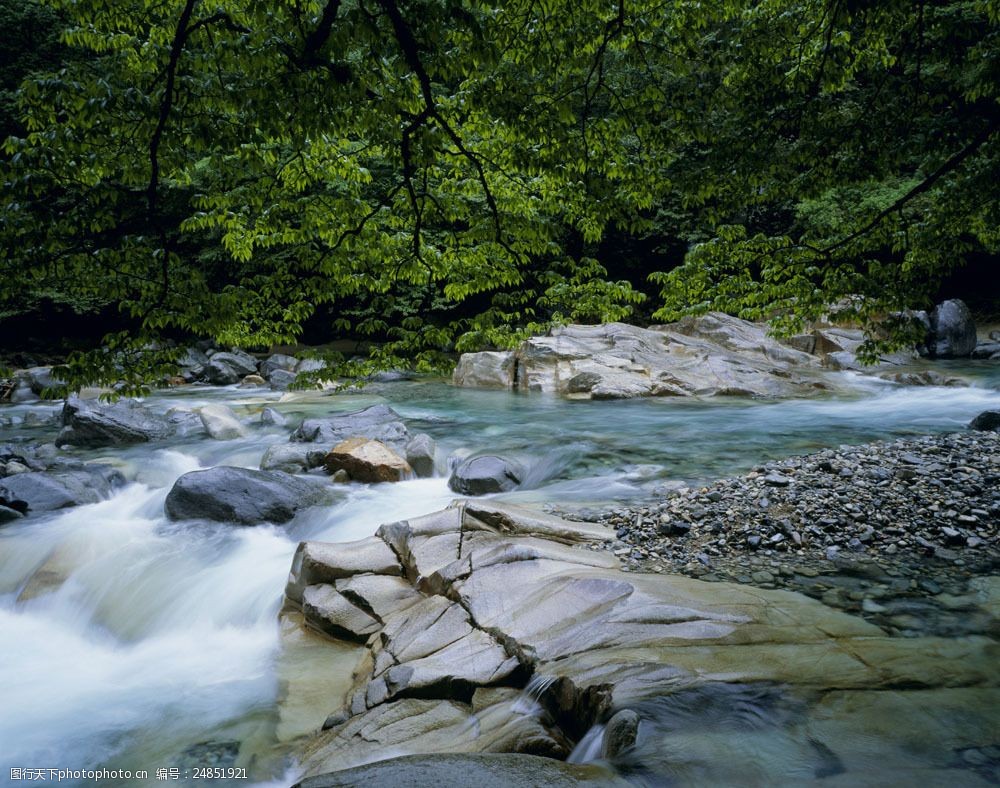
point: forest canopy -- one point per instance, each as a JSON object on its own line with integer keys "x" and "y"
{"x": 447, "y": 175}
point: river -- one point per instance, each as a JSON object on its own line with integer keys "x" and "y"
{"x": 133, "y": 643}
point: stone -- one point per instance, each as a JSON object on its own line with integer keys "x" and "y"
{"x": 713, "y": 355}
{"x": 192, "y": 364}
{"x": 486, "y": 369}
{"x": 775, "y": 479}
{"x": 292, "y": 457}
{"x": 953, "y": 331}
{"x": 986, "y": 350}
{"x": 272, "y": 418}
{"x": 241, "y": 496}
{"x": 620, "y": 733}
{"x": 252, "y": 382}
{"x": 275, "y": 362}
{"x": 420, "y": 453}
{"x": 378, "y": 422}
{"x": 227, "y": 368}
{"x": 486, "y": 474}
{"x": 281, "y": 379}
{"x": 324, "y": 562}
{"x": 327, "y": 610}
{"x": 91, "y": 423}
{"x": 8, "y": 515}
{"x": 40, "y": 379}
{"x": 367, "y": 461}
{"x": 988, "y": 420}
{"x": 43, "y": 491}
{"x": 221, "y": 423}
{"x": 461, "y": 770}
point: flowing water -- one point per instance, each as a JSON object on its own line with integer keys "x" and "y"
{"x": 130, "y": 642}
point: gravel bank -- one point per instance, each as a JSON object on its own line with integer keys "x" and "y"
{"x": 863, "y": 527}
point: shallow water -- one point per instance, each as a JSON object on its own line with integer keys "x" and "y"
{"x": 129, "y": 640}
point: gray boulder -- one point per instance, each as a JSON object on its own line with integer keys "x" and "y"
{"x": 241, "y": 496}
{"x": 953, "y": 331}
{"x": 45, "y": 491}
{"x": 192, "y": 364}
{"x": 272, "y": 418}
{"x": 986, "y": 421}
{"x": 620, "y": 733}
{"x": 94, "y": 423}
{"x": 275, "y": 362}
{"x": 226, "y": 368}
{"x": 281, "y": 379}
{"x": 292, "y": 457}
{"x": 378, "y": 422}
{"x": 420, "y": 451}
{"x": 221, "y": 423}
{"x": 40, "y": 379}
{"x": 486, "y": 474}
{"x": 487, "y": 369}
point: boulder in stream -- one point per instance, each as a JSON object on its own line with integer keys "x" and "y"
{"x": 367, "y": 461}
{"x": 93, "y": 423}
{"x": 378, "y": 422}
{"x": 486, "y": 474}
{"x": 985, "y": 421}
{"x": 43, "y": 491}
{"x": 226, "y": 368}
{"x": 241, "y": 496}
{"x": 220, "y": 422}
{"x": 953, "y": 331}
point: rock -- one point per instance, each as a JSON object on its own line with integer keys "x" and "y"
{"x": 43, "y": 491}
{"x": 420, "y": 453}
{"x": 486, "y": 474}
{"x": 324, "y": 562}
{"x": 93, "y": 423}
{"x": 620, "y": 734}
{"x": 953, "y": 331}
{"x": 367, "y": 461}
{"x": 775, "y": 479}
{"x": 40, "y": 380}
{"x": 226, "y": 368}
{"x": 272, "y": 418}
{"x": 192, "y": 364}
{"x": 241, "y": 496}
{"x": 252, "y": 382}
{"x": 281, "y": 379}
{"x": 311, "y": 365}
{"x": 707, "y": 356}
{"x": 330, "y": 612}
{"x": 378, "y": 422}
{"x": 221, "y": 423}
{"x": 8, "y": 515}
{"x": 461, "y": 770}
{"x": 275, "y": 362}
{"x": 22, "y": 393}
{"x": 988, "y": 420}
{"x": 487, "y": 369}
{"x": 986, "y": 350}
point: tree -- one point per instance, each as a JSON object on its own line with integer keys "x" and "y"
{"x": 440, "y": 174}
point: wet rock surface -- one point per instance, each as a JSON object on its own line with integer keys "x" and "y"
{"x": 241, "y": 496}
{"x": 459, "y": 609}
{"x": 894, "y": 531}
{"x": 91, "y": 423}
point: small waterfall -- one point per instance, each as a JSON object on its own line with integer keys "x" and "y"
{"x": 528, "y": 702}
{"x": 589, "y": 747}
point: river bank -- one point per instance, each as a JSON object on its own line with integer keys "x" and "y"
{"x": 914, "y": 520}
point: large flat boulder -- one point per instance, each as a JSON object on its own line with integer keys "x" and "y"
{"x": 485, "y": 370}
{"x": 712, "y": 355}
{"x": 44, "y": 491}
{"x": 480, "y": 597}
{"x": 241, "y": 496}
{"x": 462, "y": 770}
{"x": 93, "y": 423}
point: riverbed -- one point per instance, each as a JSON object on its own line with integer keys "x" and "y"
{"x": 134, "y": 643}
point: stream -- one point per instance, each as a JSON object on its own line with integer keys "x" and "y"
{"x": 134, "y": 643}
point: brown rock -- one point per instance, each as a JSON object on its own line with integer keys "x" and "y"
{"x": 367, "y": 461}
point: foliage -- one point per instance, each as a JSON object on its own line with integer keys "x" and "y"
{"x": 443, "y": 175}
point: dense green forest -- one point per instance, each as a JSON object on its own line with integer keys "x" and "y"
{"x": 446, "y": 175}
